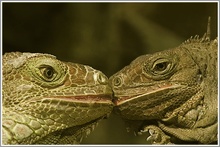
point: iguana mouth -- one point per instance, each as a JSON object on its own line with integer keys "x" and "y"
{"x": 103, "y": 98}
{"x": 86, "y": 99}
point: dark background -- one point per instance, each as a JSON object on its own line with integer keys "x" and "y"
{"x": 106, "y": 36}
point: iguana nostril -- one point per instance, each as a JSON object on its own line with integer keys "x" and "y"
{"x": 117, "y": 81}
{"x": 101, "y": 78}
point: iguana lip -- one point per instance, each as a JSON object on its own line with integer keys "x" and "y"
{"x": 103, "y": 98}
{"x": 117, "y": 101}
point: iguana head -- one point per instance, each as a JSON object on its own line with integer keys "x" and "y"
{"x": 52, "y": 98}
{"x": 167, "y": 85}
{"x": 152, "y": 86}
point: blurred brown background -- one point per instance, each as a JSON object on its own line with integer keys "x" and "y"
{"x": 106, "y": 36}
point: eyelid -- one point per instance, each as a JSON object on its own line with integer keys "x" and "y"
{"x": 149, "y": 67}
{"x": 160, "y": 61}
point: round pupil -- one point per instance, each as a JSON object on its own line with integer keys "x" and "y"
{"x": 48, "y": 72}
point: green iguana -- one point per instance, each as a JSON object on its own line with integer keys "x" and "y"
{"x": 47, "y": 101}
{"x": 172, "y": 94}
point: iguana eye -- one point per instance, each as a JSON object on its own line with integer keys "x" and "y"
{"x": 161, "y": 66}
{"x": 48, "y": 73}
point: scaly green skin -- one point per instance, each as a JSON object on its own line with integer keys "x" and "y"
{"x": 171, "y": 94}
{"x": 47, "y": 101}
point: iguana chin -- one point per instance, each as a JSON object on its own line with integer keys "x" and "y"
{"x": 172, "y": 94}
{"x": 47, "y": 101}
